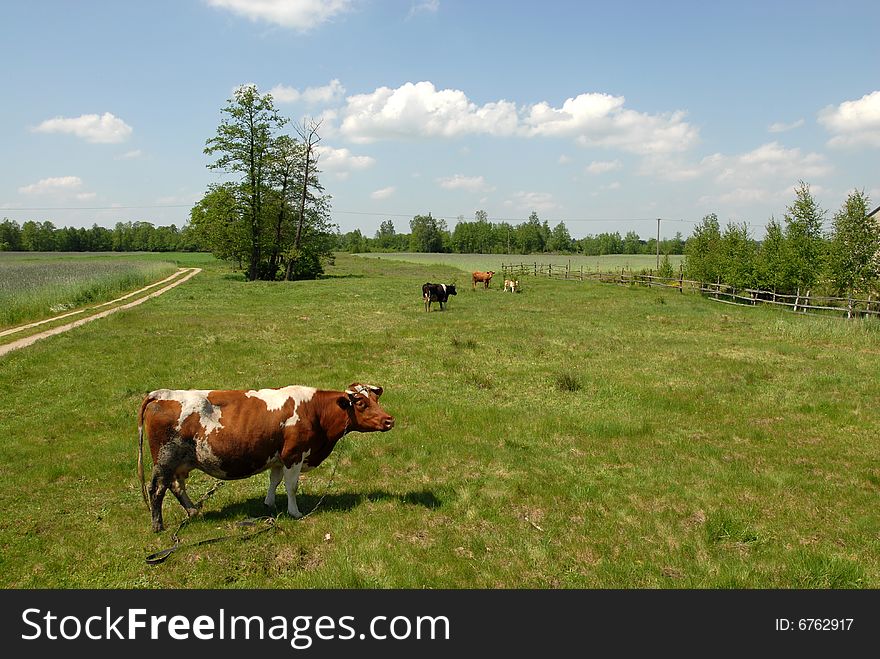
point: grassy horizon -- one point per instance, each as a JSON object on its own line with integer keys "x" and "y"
{"x": 574, "y": 435}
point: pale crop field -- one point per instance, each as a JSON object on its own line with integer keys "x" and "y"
{"x": 34, "y": 286}
{"x": 472, "y": 262}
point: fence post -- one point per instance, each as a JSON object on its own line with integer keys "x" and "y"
{"x": 849, "y": 306}
{"x": 797, "y": 298}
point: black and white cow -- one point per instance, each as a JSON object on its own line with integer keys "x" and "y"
{"x": 437, "y": 293}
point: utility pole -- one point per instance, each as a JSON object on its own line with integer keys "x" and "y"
{"x": 658, "y": 243}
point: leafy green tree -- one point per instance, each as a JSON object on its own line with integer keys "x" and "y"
{"x": 803, "y": 239}
{"x": 560, "y": 239}
{"x": 426, "y": 233}
{"x": 529, "y": 236}
{"x": 702, "y": 251}
{"x": 243, "y": 146}
{"x": 737, "y": 256}
{"x": 665, "y": 269}
{"x": 632, "y": 244}
{"x": 386, "y": 236}
{"x": 220, "y": 224}
{"x": 10, "y": 236}
{"x": 770, "y": 270}
{"x": 854, "y": 254}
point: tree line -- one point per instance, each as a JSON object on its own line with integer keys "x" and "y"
{"x": 430, "y": 234}
{"x": 797, "y": 254}
{"x": 33, "y": 236}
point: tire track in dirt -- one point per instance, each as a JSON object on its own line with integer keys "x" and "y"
{"x": 30, "y": 340}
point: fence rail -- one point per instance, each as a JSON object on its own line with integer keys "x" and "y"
{"x": 799, "y": 302}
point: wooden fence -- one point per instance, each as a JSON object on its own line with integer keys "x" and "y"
{"x": 799, "y": 302}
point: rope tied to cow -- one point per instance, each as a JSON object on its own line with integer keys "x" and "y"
{"x": 258, "y": 525}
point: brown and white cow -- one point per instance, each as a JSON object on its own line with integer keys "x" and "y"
{"x": 484, "y": 277}
{"x": 234, "y": 434}
{"x": 511, "y": 285}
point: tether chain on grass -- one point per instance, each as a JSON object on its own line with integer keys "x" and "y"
{"x": 266, "y": 523}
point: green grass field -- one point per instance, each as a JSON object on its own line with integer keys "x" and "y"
{"x": 574, "y": 435}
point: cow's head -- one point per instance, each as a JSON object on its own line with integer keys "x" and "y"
{"x": 365, "y": 412}
{"x": 450, "y": 289}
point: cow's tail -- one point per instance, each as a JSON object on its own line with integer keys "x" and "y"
{"x": 140, "y": 461}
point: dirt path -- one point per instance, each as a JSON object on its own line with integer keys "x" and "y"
{"x": 23, "y": 343}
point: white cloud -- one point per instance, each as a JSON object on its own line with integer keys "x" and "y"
{"x": 780, "y": 127}
{"x": 564, "y": 159}
{"x": 424, "y": 7}
{"x": 420, "y": 110}
{"x": 106, "y": 128}
{"x": 384, "y": 193}
{"x": 532, "y": 201}
{"x": 602, "y": 120}
{"x": 602, "y": 166}
{"x": 55, "y": 185}
{"x": 130, "y": 155}
{"x": 86, "y": 196}
{"x": 330, "y": 93}
{"x": 301, "y": 15}
{"x": 341, "y": 162}
{"x": 767, "y": 162}
{"x": 854, "y": 123}
{"x": 469, "y": 183}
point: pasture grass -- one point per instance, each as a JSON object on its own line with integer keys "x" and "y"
{"x": 576, "y": 435}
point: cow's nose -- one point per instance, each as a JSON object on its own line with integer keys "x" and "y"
{"x": 389, "y": 423}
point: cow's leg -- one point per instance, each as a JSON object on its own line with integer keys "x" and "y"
{"x": 291, "y": 481}
{"x": 172, "y": 459}
{"x": 158, "y": 487}
{"x": 178, "y": 488}
{"x": 275, "y": 476}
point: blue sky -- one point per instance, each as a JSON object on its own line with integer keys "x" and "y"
{"x": 601, "y": 115}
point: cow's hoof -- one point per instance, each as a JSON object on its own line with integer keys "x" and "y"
{"x": 295, "y": 515}
{"x": 192, "y": 512}
{"x": 158, "y": 527}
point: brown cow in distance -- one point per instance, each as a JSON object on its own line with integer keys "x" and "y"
{"x": 238, "y": 433}
{"x": 484, "y": 277}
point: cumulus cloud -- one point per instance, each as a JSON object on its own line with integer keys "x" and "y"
{"x": 54, "y": 185}
{"x": 764, "y": 175}
{"x": 425, "y": 7}
{"x": 469, "y": 183}
{"x": 603, "y": 166}
{"x": 780, "y": 127}
{"x": 105, "y": 128}
{"x": 301, "y": 15}
{"x": 330, "y": 93}
{"x": 854, "y": 123}
{"x": 420, "y": 110}
{"x": 341, "y": 162}
{"x": 532, "y": 201}
{"x": 384, "y": 193}
{"x": 596, "y": 119}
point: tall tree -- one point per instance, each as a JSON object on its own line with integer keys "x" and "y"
{"x": 702, "y": 250}
{"x": 803, "y": 239}
{"x": 243, "y": 145}
{"x": 854, "y": 255}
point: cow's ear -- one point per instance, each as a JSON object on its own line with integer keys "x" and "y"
{"x": 344, "y": 402}
{"x": 376, "y": 390}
